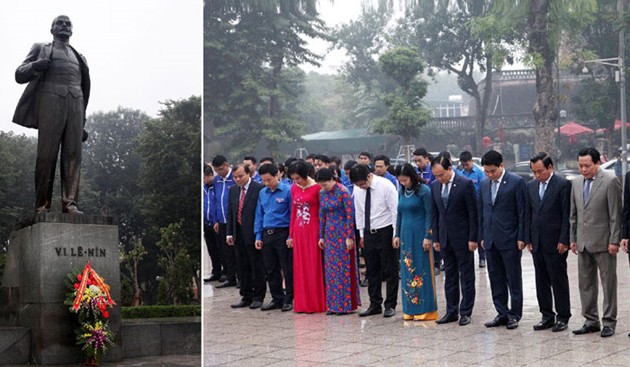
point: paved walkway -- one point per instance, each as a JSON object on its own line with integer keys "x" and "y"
{"x": 153, "y": 361}
{"x": 247, "y": 337}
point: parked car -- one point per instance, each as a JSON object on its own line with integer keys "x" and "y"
{"x": 522, "y": 169}
{"x": 610, "y": 165}
{"x": 569, "y": 174}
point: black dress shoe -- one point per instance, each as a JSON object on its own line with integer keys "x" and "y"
{"x": 585, "y": 329}
{"x": 255, "y": 305}
{"x": 226, "y": 284}
{"x": 559, "y": 326}
{"x": 607, "y": 331}
{"x": 212, "y": 278}
{"x": 447, "y": 318}
{"x": 544, "y": 324}
{"x": 511, "y": 324}
{"x": 271, "y": 306}
{"x": 370, "y": 311}
{"x": 497, "y": 321}
{"x": 389, "y": 312}
{"x": 464, "y": 320}
{"x": 241, "y": 304}
{"x": 287, "y": 307}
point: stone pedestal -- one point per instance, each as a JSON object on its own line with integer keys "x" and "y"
{"x": 42, "y": 250}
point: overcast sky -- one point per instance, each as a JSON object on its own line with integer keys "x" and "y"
{"x": 139, "y": 52}
{"x": 334, "y": 14}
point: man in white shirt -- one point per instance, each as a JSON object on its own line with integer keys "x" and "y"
{"x": 376, "y": 205}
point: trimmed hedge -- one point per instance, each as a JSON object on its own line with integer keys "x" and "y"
{"x": 149, "y": 312}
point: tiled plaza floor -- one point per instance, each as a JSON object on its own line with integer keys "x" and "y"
{"x": 247, "y": 337}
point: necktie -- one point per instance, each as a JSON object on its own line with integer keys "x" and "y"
{"x": 239, "y": 213}
{"x": 587, "y": 189}
{"x": 495, "y": 188}
{"x": 445, "y": 193}
{"x": 541, "y": 190}
{"x": 368, "y": 204}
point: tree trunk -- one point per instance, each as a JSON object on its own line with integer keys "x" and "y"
{"x": 545, "y": 114}
{"x": 274, "y": 99}
{"x": 482, "y": 106}
{"x": 137, "y": 292}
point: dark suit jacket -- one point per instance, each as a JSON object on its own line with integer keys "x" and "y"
{"x": 26, "y": 111}
{"x": 248, "y": 214}
{"x": 548, "y": 220}
{"x": 625, "y": 224}
{"x": 456, "y": 224}
{"x": 502, "y": 224}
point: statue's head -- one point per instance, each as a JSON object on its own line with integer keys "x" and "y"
{"x": 61, "y": 27}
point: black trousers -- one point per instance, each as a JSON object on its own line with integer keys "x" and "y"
{"x": 551, "y": 274}
{"x": 228, "y": 255}
{"x": 504, "y": 272}
{"x": 437, "y": 259}
{"x": 459, "y": 269}
{"x": 213, "y": 249}
{"x": 377, "y": 250}
{"x": 278, "y": 261}
{"x": 251, "y": 269}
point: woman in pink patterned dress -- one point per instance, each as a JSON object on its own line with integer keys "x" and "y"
{"x": 336, "y": 238}
{"x": 308, "y": 275}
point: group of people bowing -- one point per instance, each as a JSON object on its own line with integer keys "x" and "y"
{"x": 299, "y": 227}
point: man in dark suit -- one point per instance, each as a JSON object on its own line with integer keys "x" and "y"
{"x": 625, "y": 224}
{"x": 548, "y": 241}
{"x": 455, "y": 226}
{"x": 502, "y": 215}
{"x": 240, "y": 234}
{"x": 54, "y": 102}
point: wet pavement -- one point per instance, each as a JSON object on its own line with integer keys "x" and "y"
{"x": 247, "y": 337}
{"x": 152, "y": 361}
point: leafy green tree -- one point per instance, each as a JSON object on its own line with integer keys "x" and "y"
{"x": 540, "y": 24}
{"x": 598, "y": 98}
{"x": 406, "y": 115}
{"x": 364, "y": 40}
{"x": 176, "y": 262}
{"x": 17, "y": 183}
{"x": 111, "y": 167}
{"x": 169, "y": 148}
{"x": 445, "y": 34}
{"x": 248, "y": 50}
{"x": 131, "y": 258}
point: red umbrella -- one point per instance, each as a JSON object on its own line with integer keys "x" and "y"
{"x": 572, "y": 129}
{"x": 618, "y": 124}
